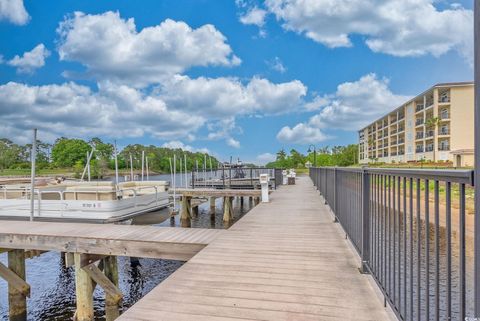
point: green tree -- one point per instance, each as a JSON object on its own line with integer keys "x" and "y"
{"x": 67, "y": 152}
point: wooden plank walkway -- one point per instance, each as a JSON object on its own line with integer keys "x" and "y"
{"x": 120, "y": 240}
{"x": 285, "y": 260}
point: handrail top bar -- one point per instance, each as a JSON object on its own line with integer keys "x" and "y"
{"x": 457, "y": 176}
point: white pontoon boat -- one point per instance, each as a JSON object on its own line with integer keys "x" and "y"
{"x": 84, "y": 201}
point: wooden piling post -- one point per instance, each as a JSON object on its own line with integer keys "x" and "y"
{"x": 195, "y": 211}
{"x": 112, "y": 310}
{"x": 212, "y": 205}
{"x": 186, "y": 208}
{"x": 84, "y": 291}
{"x": 17, "y": 301}
{"x": 241, "y": 201}
{"x": 227, "y": 209}
{"x": 257, "y": 200}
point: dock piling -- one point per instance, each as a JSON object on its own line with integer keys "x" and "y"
{"x": 83, "y": 291}
{"x": 17, "y": 292}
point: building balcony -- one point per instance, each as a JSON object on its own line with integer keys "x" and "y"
{"x": 401, "y": 141}
{"x": 401, "y": 129}
{"x": 444, "y": 147}
{"x": 444, "y": 116}
{"x": 419, "y": 136}
{"x": 419, "y": 122}
{"x": 443, "y": 132}
{"x": 419, "y": 150}
{"x": 444, "y": 99}
{"x": 429, "y": 133}
{"x": 400, "y": 153}
{"x": 393, "y": 131}
{"x": 429, "y": 148}
{"x": 393, "y": 154}
{"x": 419, "y": 107}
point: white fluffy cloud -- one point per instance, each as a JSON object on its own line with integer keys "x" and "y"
{"x": 111, "y": 47}
{"x": 254, "y": 16}
{"x": 351, "y": 107}
{"x": 114, "y": 111}
{"x": 222, "y": 97}
{"x": 13, "y": 11}
{"x": 30, "y": 60}
{"x": 395, "y": 27}
{"x": 232, "y": 142}
{"x": 301, "y": 134}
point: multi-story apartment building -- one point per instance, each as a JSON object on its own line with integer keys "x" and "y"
{"x": 437, "y": 125}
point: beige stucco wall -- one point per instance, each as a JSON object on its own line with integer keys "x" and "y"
{"x": 462, "y": 118}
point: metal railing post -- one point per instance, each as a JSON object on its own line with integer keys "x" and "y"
{"x": 335, "y": 184}
{"x": 365, "y": 221}
{"x": 476, "y": 27}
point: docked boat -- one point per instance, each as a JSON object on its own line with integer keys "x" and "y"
{"x": 100, "y": 201}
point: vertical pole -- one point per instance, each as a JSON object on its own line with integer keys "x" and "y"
{"x": 143, "y": 163}
{"x": 116, "y": 164}
{"x": 476, "y": 28}
{"x": 84, "y": 291}
{"x": 17, "y": 302}
{"x": 186, "y": 177}
{"x": 365, "y": 220}
{"x": 131, "y": 168}
{"x": 174, "y": 182}
{"x": 33, "y": 156}
{"x": 111, "y": 272}
{"x": 146, "y": 165}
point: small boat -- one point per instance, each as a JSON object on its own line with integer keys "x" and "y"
{"x": 102, "y": 202}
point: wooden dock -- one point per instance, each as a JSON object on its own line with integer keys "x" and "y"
{"x": 285, "y": 260}
{"x": 92, "y": 249}
{"x": 189, "y": 208}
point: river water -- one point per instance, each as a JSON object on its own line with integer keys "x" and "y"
{"x": 53, "y": 285}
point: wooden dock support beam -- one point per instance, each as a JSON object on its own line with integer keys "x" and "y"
{"x": 212, "y": 205}
{"x": 83, "y": 290}
{"x": 227, "y": 209}
{"x": 112, "y": 310}
{"x": 186, "y": 208}
{"x": 18, "y": 289}
{"x": 195, "y": 210}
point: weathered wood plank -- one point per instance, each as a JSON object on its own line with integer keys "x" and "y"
{"x": 83, "y": 291}
{"x": 17, "y": 290}
{"x": 14, "y": 280}
{"x": 100, "y": 279}
{"x": 112, "y": 309}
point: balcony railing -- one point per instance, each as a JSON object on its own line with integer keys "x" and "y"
{"x": 419, "y": 150}
{"x": 419, "y": 136}
{"x": 429, "y": 148}
{"x": 444, "y": 116}
{"x": 419, "y": 107}
{"x": 393, "y": 154}
{"x": 444, "y": 132}
{"x": 401, "y": 153}
{"x": 419, "y": 122}
{"x": 393, "y": 131}
{"x": 401, "y": 141}
{"x": 384, "y": 213}
{"x": 444, "y": 99}
{"x": 429, "y": 133}
{"x": 444, "y": 147}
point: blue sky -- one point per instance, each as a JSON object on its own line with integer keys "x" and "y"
{"x": 241, "y": 78}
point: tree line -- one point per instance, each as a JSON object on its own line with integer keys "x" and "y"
{"x": 68, "y": 153}
{"x": 336, "y": 156}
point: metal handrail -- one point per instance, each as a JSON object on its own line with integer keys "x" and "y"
{"x": 384, "y": 213}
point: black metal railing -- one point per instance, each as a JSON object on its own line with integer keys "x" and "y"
{"x": 413, "y": 234}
